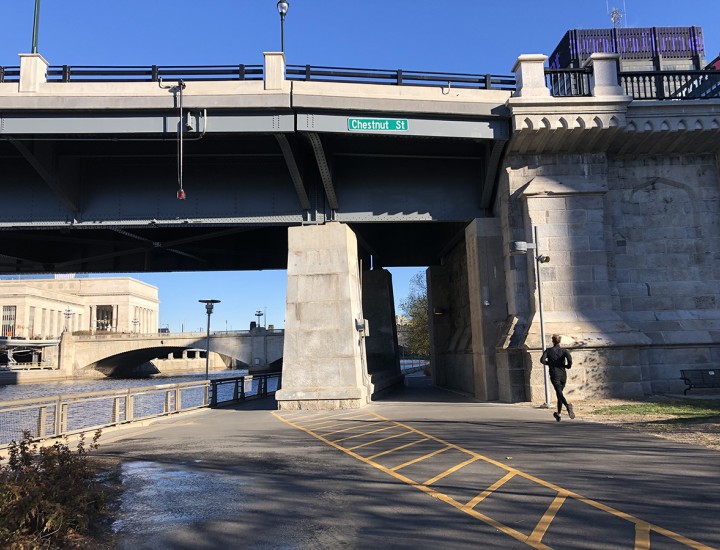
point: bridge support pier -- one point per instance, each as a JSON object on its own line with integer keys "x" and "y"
{"x": 324, "y": 362}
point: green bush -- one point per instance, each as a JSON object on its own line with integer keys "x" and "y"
{"x": 48, "y": 495}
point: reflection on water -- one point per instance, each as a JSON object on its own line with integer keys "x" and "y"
{"x": 64, "y": 387}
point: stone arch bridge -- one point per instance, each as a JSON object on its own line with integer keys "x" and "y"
{"x": 120, "y": 354}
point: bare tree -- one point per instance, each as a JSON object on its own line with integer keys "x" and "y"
{"x": 415, "y": 308}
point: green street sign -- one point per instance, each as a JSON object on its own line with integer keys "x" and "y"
{"x": 377, "y": 124}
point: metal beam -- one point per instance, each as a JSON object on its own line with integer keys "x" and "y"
{"x": 492, "y": 163}
{"x": 293, "y": 168}
{"x": 42, "y": 159}
{"x": 324, "y": 168}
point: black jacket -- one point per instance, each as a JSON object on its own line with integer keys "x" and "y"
{"x": 557, "y": 359}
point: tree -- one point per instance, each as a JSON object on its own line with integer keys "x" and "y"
{"x": 417, "y": 327}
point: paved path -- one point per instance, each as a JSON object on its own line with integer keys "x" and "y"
{"x": 423, "y": 468}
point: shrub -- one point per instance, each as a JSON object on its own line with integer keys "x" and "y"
{"x": 48, "y": 495}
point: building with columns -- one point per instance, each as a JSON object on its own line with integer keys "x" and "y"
{"x": 44, "y": 308}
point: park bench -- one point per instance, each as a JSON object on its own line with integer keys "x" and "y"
{"x": 701, "y": 378}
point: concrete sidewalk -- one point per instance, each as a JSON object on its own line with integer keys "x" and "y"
{"x": 501, "y": 476}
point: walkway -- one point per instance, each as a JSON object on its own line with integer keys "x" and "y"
{"x": 420, "y": 469}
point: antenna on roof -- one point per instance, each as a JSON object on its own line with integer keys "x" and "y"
{"x": 616, "y": 14}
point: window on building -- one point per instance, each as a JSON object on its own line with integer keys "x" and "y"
{"x": 104, "y": 318}
{"x": 8, "y": 320}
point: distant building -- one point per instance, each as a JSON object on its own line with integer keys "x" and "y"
{"x": 42, "y": 308}
{"x": 640, "y": 48}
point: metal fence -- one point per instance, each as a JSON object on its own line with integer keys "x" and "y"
{"x": 568, "y": 82}
{"x": 671, "y": 84}
{"x": 67, "y": 414}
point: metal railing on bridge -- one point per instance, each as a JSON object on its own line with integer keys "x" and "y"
{"x": 640, "y": 85}
{"x": 60, "y": 415}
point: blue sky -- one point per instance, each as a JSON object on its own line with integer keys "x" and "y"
{"x": 424, "y": 35}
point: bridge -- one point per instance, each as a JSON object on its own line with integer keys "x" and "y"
{"x": 337, "y": 174}
{"x": 99, "y": 355}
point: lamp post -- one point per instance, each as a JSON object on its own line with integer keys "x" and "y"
{"x": 68, "y": 313}
{"x": 36, "y": 27}
{"x": 282, "y": 7}
{"x": 521, "y": 247}
{"x": 209, "y": 304}
{"x": 258, "y": 314}
{"x": 135, "y": 323}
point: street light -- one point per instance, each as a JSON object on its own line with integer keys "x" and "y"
{"x": 521, "y": 247}
{"x": 68, "y": 313}
{"x": 282, "y": 7}
{"x": 135, "y": 323}
{"x": 209, "y": 304}
{"x": 36, "y": 27}
{"x": 258, "y": 314}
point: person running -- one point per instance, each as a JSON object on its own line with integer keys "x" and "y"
{"x": 558, "y": 361}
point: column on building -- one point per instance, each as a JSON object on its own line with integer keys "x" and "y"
{"x": 381, "y": 343}
{"x": 324, "y": 362}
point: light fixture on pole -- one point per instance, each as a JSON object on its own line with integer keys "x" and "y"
{"x": 258, "y": 313}
{"x": 209, "y": 304}
{"x": 135, "y": 323}
{"x": 522, "y": 247}
{"x": 36, "y": 27}
{"x": 282, "y": 7}
{"x": 68, "y": 313}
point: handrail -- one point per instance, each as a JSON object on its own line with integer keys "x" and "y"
{"x": 242, "y": 388}
{"x": 153, "y": 73}
{"x": 9, "y": 74}
{"x": 695, "y": 84}
{"x": 568, "y": 82}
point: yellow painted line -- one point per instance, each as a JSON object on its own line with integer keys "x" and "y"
{"x": 642, "y": 537}
{"x": 379, "y": 440}
{"x": 490, "y": 490}
{"x": 390, "y": 427}
{"x": 640, "y": 524}
{"x": 336, "y": 417}
{"x": 435, "y": 494}
{"x": 418, "y": 459}
{"x": 450, "y": 470}
{"x": 354, "y": 427}
{"x": 549, "y": 515}
{"x": 398, "y": 448}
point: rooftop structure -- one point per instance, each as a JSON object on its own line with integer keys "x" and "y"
{"x": 640, "y": 48}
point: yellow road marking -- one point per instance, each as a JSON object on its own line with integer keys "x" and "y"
{"x": 379, "y": 440}
{"x": 549, "y": 515}
{"x": 490, "y": 490}
{"x": 353, "y": 427}
{"x": 418, "y": 459}
{"x": 390, "y": 427}
{"x": 642, "y": 527}
{"x": 398, "y": 448}
{"x": 450, "y": 470}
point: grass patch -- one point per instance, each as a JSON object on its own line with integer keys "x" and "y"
{"x": 687, "y": 409}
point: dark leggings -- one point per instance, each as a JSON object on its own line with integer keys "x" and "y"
{"x": 559, "y": 385}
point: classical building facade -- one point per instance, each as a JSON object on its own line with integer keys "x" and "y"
{"x": 44, "y": 308}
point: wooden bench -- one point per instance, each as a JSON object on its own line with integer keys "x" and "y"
{"x": 701, "y": 378}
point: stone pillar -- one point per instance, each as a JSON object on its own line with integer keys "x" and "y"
{"x": 488, "y": 309}
{"x": 383, "y": 356}
{"x": 33, "y": 72}
{"x": 604, "y": 79}
{"x": 438, "y": 315}
{"x": 324, "y": 363}
{"x": 274, "y": 70}
{"x": 529, "y": 72}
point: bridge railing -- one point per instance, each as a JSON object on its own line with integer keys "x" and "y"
{"x": 60, "y": 415}
{"x": 9, "y": 74}
{"x": 671, "y": 84}
{"x": 153, "y": 73}
{"x": 399, "y": 77}
{"x": 241, "y": 388}
{"x": 568, "y": 82}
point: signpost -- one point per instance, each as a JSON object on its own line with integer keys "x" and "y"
{"x": 377, "y": 124}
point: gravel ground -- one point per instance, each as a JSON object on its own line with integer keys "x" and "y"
{"x": 704, "y": 432}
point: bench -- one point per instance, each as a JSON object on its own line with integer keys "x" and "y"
{"x": 701, "y": 378}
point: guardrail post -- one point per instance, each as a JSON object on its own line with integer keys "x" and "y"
{"x": 488, "y": 81}
{"x": 33, "y": 72}
{"x": 214, "y": 393}
{"x": 168, "y": 400}
{"x": 42, "y": 418}
{"x": 178, "y": 399}
{"x": 242, "y": 388}
{"x": 116, "y": 410}
{"x": 58, "y": 415}
{"x": 236, "y": 390}
{"x": 129, "y": 407}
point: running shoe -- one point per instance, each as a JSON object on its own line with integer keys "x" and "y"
{"x": 557, "y": 416}
{"x": 571, "y": 413}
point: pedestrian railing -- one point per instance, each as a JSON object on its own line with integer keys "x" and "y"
{"x": 671, "y": 84}
{"x": 60, "y": 415}
{"x": 568, "y": 82}
{"x": 35, "y": 365}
